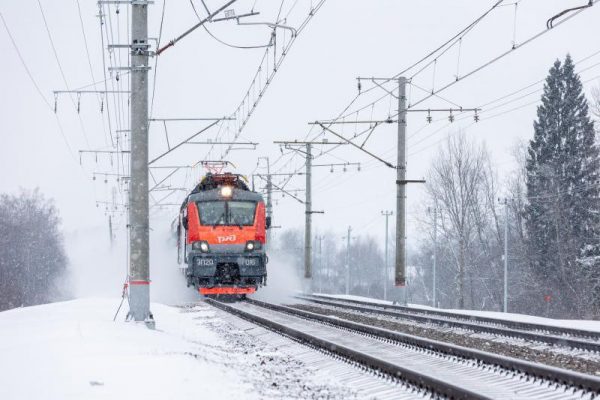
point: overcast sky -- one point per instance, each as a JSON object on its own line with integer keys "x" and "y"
{"x": 200, "y": 77}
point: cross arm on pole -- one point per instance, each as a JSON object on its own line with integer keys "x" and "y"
{"x": 282, "y": 189}
{"x": 183, "y": 142}
{"x": 193, "y": 28}
{"x": 357, "y": 146}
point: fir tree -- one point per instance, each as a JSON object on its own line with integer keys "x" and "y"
{"x": 563, "y": 216}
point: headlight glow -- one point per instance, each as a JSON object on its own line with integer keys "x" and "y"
{"x": 201, "y": 245}
{"x": 226, "y": 191}
{"x": 252, "y": 245}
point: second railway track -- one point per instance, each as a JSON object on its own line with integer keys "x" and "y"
{"x": 442, "y": 369}
{"x": 552, "y": 335}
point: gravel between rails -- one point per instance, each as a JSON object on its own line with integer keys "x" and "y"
{"x": 530, "y": 354}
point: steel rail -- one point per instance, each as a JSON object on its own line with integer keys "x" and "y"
{"x": 475, "y": 327}
{"x": 541, "y": 371}
{"x": 395, "y": 371}
{"x": 448, "y": 316}
{"x": 525, "y": 371}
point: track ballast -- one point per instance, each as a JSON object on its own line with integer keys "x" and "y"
{"x": 552, "y": 335}
{"x": 440, "y": 368}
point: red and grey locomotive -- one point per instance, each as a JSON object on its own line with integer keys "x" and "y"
{"x": 222, "y": 236}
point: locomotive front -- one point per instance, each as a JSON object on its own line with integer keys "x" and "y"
{"x": 226, "y": 237}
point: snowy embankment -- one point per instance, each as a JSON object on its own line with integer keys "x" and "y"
{"x": 73, "y": 350}
{"x": 587, "y": 325}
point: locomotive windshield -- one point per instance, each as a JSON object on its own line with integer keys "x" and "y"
{"x": 227, "y": 213}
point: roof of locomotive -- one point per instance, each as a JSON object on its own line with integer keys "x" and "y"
{"x": 215, "y": 194}
{"x": 209, "y": 189}
{"x": 212, "y": 181}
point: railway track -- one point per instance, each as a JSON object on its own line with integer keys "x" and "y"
{"x": 555, "y": 336}
{"x": 439, "y": 368}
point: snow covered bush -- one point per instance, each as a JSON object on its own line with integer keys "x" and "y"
{"x": 32, "y": 254}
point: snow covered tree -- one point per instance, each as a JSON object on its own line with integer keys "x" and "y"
{"x": 563, "y": 213}
{"x": 596, "y": 104}
{"x": 32, "y": 255}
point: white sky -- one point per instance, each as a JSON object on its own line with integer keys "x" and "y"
{"x": 202, "y": 78}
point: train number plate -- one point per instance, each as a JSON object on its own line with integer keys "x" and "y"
{"x": 250, "y": 262}
{"x": 205, "y": 262}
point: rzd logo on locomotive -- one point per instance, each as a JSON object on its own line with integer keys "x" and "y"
{"x": 224, "y": 239}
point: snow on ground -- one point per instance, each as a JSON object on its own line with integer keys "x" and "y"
{"x": 566, "y": 323}
{"x": 74, "y": 350}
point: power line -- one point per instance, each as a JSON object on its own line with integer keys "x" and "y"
{"x": 450, "y": 42}
{"x": 501, "y": 56}
{"x": 37, "y": 88}
{"x": 62, "y": 72}
{"x": 222, "y": 41}
{"x": 458, "y": 79}
{"x": 487, "y": 110}
{"x": 242, "y": 115}
{"x": 162, "y": 19}
{"x": 87, "y": 52}
{"x": 100, "y": 18}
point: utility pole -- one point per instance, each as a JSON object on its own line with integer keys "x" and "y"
{"x": 505, "y": 303}
{"x": 435, "y": 209}
{"x": 434, "y": 269}
{"x": 269, "y": 205}
{"x": 401, "y": 181}
{"x": 320, "y": 270}
{"x": 293, "y": 145}
{"x": 308, "y": 215}
{"x": 348, "y": 260}
{"x": 139, "y": 238}
{"x": 110, "y": 230}
{"x": 400, "y": 273}
{"x": 386, "y": 265}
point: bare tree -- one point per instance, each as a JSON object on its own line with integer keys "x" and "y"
{"x": 456, "y": 180}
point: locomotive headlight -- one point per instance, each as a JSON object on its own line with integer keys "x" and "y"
{"x": 252, "y": 245}
{"x": 226, "y": 191}
{"x": 202, "y": 246}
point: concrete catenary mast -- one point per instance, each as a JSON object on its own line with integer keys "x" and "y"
{"x": 139, "y": 221}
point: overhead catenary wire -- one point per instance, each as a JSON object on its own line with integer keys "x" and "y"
{"x": 502, "y": 55}
{"x": 436, "y": 93}
{"x": 450, "y": 42}
{"x": 235, "y": 46}
{"x": 37, "y": 88}
{"x": 155, "y": 72}
{"x": 62, "y": 72}
{"x": 243, "y": 119}
{"x": 487, "y": 110}
{"x": 506, "y": 96}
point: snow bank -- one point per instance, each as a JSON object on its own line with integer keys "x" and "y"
{"x": 73, "y": 350}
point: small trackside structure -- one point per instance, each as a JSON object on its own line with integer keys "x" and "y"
{"x": 222, "y": 236}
